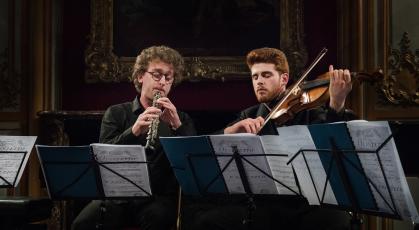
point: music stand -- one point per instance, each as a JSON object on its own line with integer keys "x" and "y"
{"x": 74, "y": 172}
{"x": 81, "y": 172}
{"x": 341, "y": 161}
{"x": 9, "y": 173}
{"x": 239, "y": 159}
{"x": 18, "y": 211}
{"x": 189, "y": 154}
{"x": 14, "y": 155}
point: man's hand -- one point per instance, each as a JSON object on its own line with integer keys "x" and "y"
{"x": 248, "y": 125}
{"x": 144, "y": 120}
{"x": 339, "y": 88}
{"x": 169, "y": 114}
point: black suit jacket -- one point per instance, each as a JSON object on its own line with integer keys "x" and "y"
{"x": 116, "y": 128}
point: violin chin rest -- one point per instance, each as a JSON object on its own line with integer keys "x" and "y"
{"x": 278, "y": 113}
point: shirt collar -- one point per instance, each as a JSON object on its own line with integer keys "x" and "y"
{"x": 137, "y": 108}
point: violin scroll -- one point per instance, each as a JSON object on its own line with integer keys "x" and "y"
{"x": 368, "y": 77}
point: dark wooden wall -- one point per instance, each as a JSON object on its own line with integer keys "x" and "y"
{"x": 212, "y": 104}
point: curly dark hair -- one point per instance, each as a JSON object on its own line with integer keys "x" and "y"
{"x": 160, "y": 53}
{"x": 268, "y": 55}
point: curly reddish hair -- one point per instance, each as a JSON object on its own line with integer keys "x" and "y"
{"x": 268, "y": 55}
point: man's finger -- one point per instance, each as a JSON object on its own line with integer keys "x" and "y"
{"x": 347, "y": 75}
{"x": 253, "y": 127}
{"x": 330, "y": 68}
{"x": 247, "y": 128}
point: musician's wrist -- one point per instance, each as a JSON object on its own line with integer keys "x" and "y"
{"x": 231, "y": 129}
{"x": 175, "y": 126}
{"x": 337, "y": 107}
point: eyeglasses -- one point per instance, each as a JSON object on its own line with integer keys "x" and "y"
{"x": 157, "y": 76}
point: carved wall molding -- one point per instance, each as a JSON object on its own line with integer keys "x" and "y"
{"x": 9, "y": 85}
{"x": 401, "y": 85}
{"x": 103, "y": 65}
{"x": 292, "y": 35}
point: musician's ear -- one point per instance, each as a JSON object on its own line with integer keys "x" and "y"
{"x": 284, "y": 78}
{"x": 140, "y": 77}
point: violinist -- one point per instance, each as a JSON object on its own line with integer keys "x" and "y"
{"x": 270, "y": 75}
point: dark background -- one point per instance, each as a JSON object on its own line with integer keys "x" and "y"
{"x": 196, "y": 27}
{"x": 211, "y": 104}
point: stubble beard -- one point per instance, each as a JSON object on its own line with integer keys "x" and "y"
{"x": 265, "y": 98}
{"x": 268, "y": 97}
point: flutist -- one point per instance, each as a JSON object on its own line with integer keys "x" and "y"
{"x": 142, "y": 121}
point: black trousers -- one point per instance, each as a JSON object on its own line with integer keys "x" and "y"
{"x": 156, "y": 214}
{"x": 284, "y": 213}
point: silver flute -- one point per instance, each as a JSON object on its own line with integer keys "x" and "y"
{"x": 153, "y": 127}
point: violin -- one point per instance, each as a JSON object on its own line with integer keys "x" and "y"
{"x": 312, "y": 94}
{"x": 305, "y": 95}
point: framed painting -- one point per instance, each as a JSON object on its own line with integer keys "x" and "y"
{"x": 213, "y": 36}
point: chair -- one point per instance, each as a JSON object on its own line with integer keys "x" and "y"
{"x": 21, "y": 212}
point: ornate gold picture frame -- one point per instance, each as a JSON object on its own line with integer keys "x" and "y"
{"x": 400, "y": 86}
{"x": 103, "y": 65}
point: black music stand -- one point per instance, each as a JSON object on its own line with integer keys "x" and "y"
{"x": 341, "y": 161}
{"x": 239, "y": 159}
{"x": 10, "y": 177}
{"x": 73, "y": 172}
{"x": 200, "y": 173}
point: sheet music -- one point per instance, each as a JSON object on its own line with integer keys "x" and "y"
{"x": 278, "y": 164}
{"x": 294, "y": 138}
{"x": 123, "y": 159}
{"x": 246, "y": 144}
{"x": 369, "y": 136}
{"x": 10, "y": 160}
{"x": 9, "y": 166}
